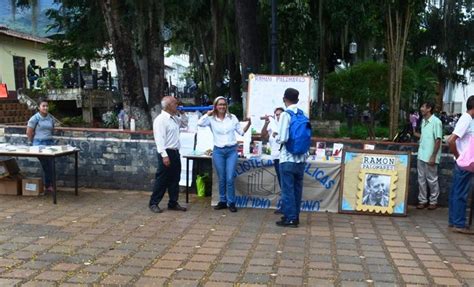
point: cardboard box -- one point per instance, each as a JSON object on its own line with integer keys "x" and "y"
{"x": 9, "y": 167}
{"x": 32, "y": 186}
{"x": 10, "y": 185}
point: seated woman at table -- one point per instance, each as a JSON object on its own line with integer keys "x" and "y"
{"x": 39, "y": 131}
{"x": 224, "y": 125}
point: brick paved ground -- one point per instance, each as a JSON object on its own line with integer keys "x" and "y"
{"x": 107, "y": 237}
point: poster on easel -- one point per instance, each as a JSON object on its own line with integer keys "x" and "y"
{"x": 374, "y": 182}
{"x": 265, "y": 94}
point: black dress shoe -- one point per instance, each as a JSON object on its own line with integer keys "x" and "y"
{"x": 297, "y": 221}
{"x": 155, "y": 209}
{"x": 287, "y": 223}
{"x": 177, "y": 207}
{"x": 220, "y": 205}
{"x": 232, "y": 207}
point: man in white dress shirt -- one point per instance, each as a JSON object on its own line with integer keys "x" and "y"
{"x": 291, "y": 166}
{"x": 166, "y": 133}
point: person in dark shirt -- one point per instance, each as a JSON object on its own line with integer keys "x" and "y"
{"x": 103, "y": 79}
{"x": 31, "y": 73}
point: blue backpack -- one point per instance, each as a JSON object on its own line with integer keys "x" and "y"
{"x": 299, "y": 139}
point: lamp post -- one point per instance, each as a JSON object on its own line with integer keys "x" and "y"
{"x": 201, "y": 61}
{"x": 353, "y": 51}
{"x": 274, "y": 41}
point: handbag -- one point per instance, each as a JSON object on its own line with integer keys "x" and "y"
{"x": 466, "y": 160}
{"x": 201, "y": 185}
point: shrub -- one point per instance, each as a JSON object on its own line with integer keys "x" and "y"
{"x": 73, "y": 121}
{"x": 110, "y": 119}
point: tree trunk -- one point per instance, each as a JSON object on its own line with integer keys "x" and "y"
{"x": 235, "y": 78}
{"x": 127, "y": 67}
{"x": 233, "y": 61}
{"x": 13, "y": 9}
{"x": 217, "y": 70}
{"x": 440, "y": 93}
{"x": 205, "y": 65}
{"x": 316, "y": 10}
{"x": 246, "y": 19}
{"x": 398, "y": 24}
{"x": 155, "y": 57}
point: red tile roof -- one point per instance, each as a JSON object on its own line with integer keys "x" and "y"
{"x": 20, "y": 35}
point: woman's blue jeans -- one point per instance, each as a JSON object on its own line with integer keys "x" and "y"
{"x": 46, "y": 163}
{"x": 225, "y": 162}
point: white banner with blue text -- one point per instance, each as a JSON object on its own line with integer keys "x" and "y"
{"x": 256, "y": 185}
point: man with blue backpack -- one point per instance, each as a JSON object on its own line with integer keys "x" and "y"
{"x": 295, "y": 139}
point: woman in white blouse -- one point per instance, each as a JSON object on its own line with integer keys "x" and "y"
{"x": 224, "y": 125}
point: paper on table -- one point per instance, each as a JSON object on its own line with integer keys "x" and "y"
{"x": 246, "y": 138}
{"x": 192, "y": 121}
{"x": 204, "y": 140}
{"x": 186, "y": 147}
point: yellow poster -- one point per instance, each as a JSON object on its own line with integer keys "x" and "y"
{"x": 374, "y": 182}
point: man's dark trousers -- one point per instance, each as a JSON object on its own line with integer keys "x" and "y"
{"x": 167, "y": 178}
{"x": 291, "y": 189}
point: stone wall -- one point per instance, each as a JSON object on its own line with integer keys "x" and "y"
{"x": 326, "y": 128}
{"x": 445, "y": 169}
{"x": 116, "y": 159}
{"x": 110, "y": 159}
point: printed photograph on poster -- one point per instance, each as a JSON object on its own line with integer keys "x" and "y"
{"x": 376, "y": 190}
{"x": 374, "y": 182}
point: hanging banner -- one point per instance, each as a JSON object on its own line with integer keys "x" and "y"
{"x": 256, "y": 185}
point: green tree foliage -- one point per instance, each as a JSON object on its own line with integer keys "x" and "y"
{"x": 446, "y": 33}
{"x": 192, "y": 32}
{"x": 419, "y": 45}
{"x": 78, "y": 31}
{"x": 425, "y": 82}
{"x": 366, "y": 85}
{"x": 296, "y": 47}
{"x": 360, "y": 84}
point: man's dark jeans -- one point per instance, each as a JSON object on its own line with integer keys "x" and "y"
{"x": 32, "y": 80}
{"x": 291, "y": 188}
{"x": 458, "y": 197}
{"x": 46, "y": 163}
{"x": 167, "y": 178}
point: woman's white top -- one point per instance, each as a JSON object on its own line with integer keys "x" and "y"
{"x": 223, "y": 131}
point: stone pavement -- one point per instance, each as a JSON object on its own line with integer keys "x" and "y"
{"x": 107, "y": 237}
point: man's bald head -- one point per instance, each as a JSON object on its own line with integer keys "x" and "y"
{"x": 166, "y": 101}
{"x": 169, "y": 104}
